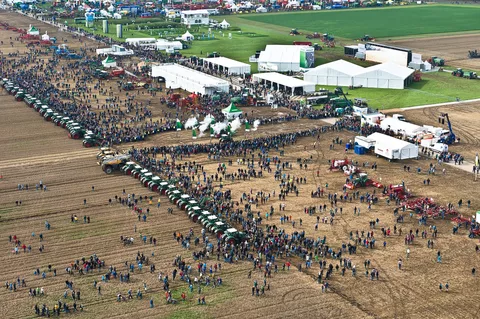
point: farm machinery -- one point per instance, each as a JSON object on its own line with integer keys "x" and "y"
{"x": 398, "y": 191}
{"x": 115, "y": 163}
{"x": 314, "y": 35}
{"x": 473, "y": 54}
{"x": 436, "y": 61}
{"x": 366, "y": 38}
{"x": 339, "y": 164}
{"x": 458, "y": 73}
{"x": 470, "y": 75}
{"x": 417, "y": 76}
{"x": 129, "y": 86}
{"x": 450, "y": 138}
{"x": 362, "y": 181}
{"x": 294, "y": 32}
{"x": 427, "y": 207}
{"x": 90, "y": 140}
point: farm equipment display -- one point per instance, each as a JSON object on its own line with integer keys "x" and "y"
{"x": 473, "y": 54}
{"x": 101, "y": 74}
{"x": 436, "y": 61}
{"x": 115, "y": 163}
{"x": 450, "y": 138}
{"x": 294, "y": 32}
{"x": 427, "y": 207}
{"x": 362, "y": 181}
{"x": 458, "y": 73}
{"x": 91, "y": 140}
{"x": 233, "y": 236}
{"x": 129, "y": 86}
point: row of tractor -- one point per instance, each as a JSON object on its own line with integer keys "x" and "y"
{"x": 464, "y": 74}
{"x": 195, "y": 209}
{"x": 75, "y": 130}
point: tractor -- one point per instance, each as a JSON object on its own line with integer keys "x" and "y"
{"x": 20, "y": 95}
{"x": 49, "y": 114}
{"x": 129, "y": 86}
{"x": 117, "y": 73}
{"x": 317, "y": 47}
{"x": 219, "y": 228}
{"x": 362, "y": 181}
{"x": 101, "y": 74}
{"x": 328, "y": 38}
{"x": 458, "y": 73}
{"x": 112, "y": 164}
{"x": 366, "y": 38}
{"x": 73, "y": 56}
{"x": 77, "y": 132}
{"x": 436, "y": 61}
{"x": 209, "y": 222}
{"x": 294, "y": 32}
{"x": 233, "y": 237}
{"x": 214, "y": 55}
{"x": 154, "y": 183}
{"x": 341, "y": 164}
{"x": 473, "y": 54}
{"x": 105, "y": 152}
{"x": 62, "y": 50}
{"x": 91, "y": 140}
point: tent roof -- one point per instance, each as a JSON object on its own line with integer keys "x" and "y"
{"x": 341, "y": 66}
{"x": 284, "y": 80}
{"x": 224, "y": 22}
{"x": 32, "y": 28}
{"x": 226, "y": 62}
{"x": 187, "y": 34}
{"x": 392, "y": 142}
{"x": 108, "y": 60}
{"x": 398, "y": 125}
{"x": 231, "y": 109}
{"x": 281, "y": 54}
{"x": 194, "y": 12}
{"x": 192, "y": 75}
{"x": 391, "y": 68}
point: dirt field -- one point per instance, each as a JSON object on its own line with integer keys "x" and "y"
{"x": 34, "y": 150}
{"x": 454, "y": 49}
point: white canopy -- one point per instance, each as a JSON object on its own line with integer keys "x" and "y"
{"x": 224, "y": 24}
{"x": 387, "y": 75}
{"x": 229, "y": 65}
{"x": 280, "y": 58}
{"x": 338, "y": 73}
{"x": 109, "y": 62}
{"x": 45, "y": 37}
{"x": 187, "y": 36}
{"x": 176, "y": 75}
{"x": 393, "y": 148}
{"x": 279, "y": 81}
{"x": 401, "y": 127}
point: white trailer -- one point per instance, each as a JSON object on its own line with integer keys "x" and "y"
{"x": 393, "y": 148}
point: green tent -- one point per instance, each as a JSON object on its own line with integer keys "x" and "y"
{"x": 231, "y": 111}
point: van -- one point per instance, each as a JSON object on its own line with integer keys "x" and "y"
{"x": 399, "y": 117}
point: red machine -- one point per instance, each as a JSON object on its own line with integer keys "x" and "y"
{"x": 29, "y": 37}
{"x": 302, "y": 43}
{"x": 117, "y": 72}
{"x": 398, "y": 191}
{"x": 339, "y": 164}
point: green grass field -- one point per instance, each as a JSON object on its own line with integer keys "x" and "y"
{"x": 378, "y": 22}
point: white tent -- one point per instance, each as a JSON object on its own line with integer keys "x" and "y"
{"x": 187, "y": 36}
{"x": 281, "y": 82}
{"x": 45, "y": 37}
{"x": 33, "y": 31}
{"x": 163, "y": 44}
{"x": 401, "y": 127}
{"x": 280, "y": 58}
{"x": 230, "y": 66}
{"x": 224, "y": 24}
{"x": 384, "y": 76}
{"x": 178, "y": 76}
{"x": 337, "y": 73}
{"x": 109, "y": 62}
{"x": 393, "y": 148}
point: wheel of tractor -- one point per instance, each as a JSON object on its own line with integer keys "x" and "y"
{"x": 146, "y": 86}
{"x": 87, "y": 144}
{"x": 109, "y": 170}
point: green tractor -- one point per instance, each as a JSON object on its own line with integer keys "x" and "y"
{"x": 49, "y": 114}
{"x": 224, "y": 138}
{"x": 209, "y": 222}
{"x": 77, "y": 132}
{"x": 129, "y": 168}
{"x": 44, "y": 109}
{"x": 4, "y": 81}
{"x": 219, "y": 228}
{"x": 191, "y": 203}
{"x": 29, "y": 100}
{"x": 458, "y": 73}
{"x": 183, "y": 201}
{"x": 146, "y": 178}
{"x": 139, "y": 175}
{"x": 233, "y": 236}
{"x": 91, "y": 140}
{"x": 14, "y": 90}
{"x": 153, "y": 184}
{"x": 469, "y": 75}
{"x": 64, "y": 121}
{"x": 20, "y": 95}
{"x": 436, "y": 61}
{"x": 367, "y": 38}
{"x": 194, "y": 214}
{"x": 203, "y": 216}
{"x": 101, "y": 74}
{"x": 174, "y": 196}
{"x": 194, "y": 210}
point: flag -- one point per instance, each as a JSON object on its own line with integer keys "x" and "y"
{"x": 194, "y": 134}
{"x": 477, "y": 161}
{"x": 212, "y": 132}
{"x": 179, "y": 125}
{"x": 247, "y": 126}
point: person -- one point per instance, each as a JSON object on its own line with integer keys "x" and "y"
{"x": 440, "y": 287}
{"x": 446, "y": 287}
{"x": 151, "y": 302}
